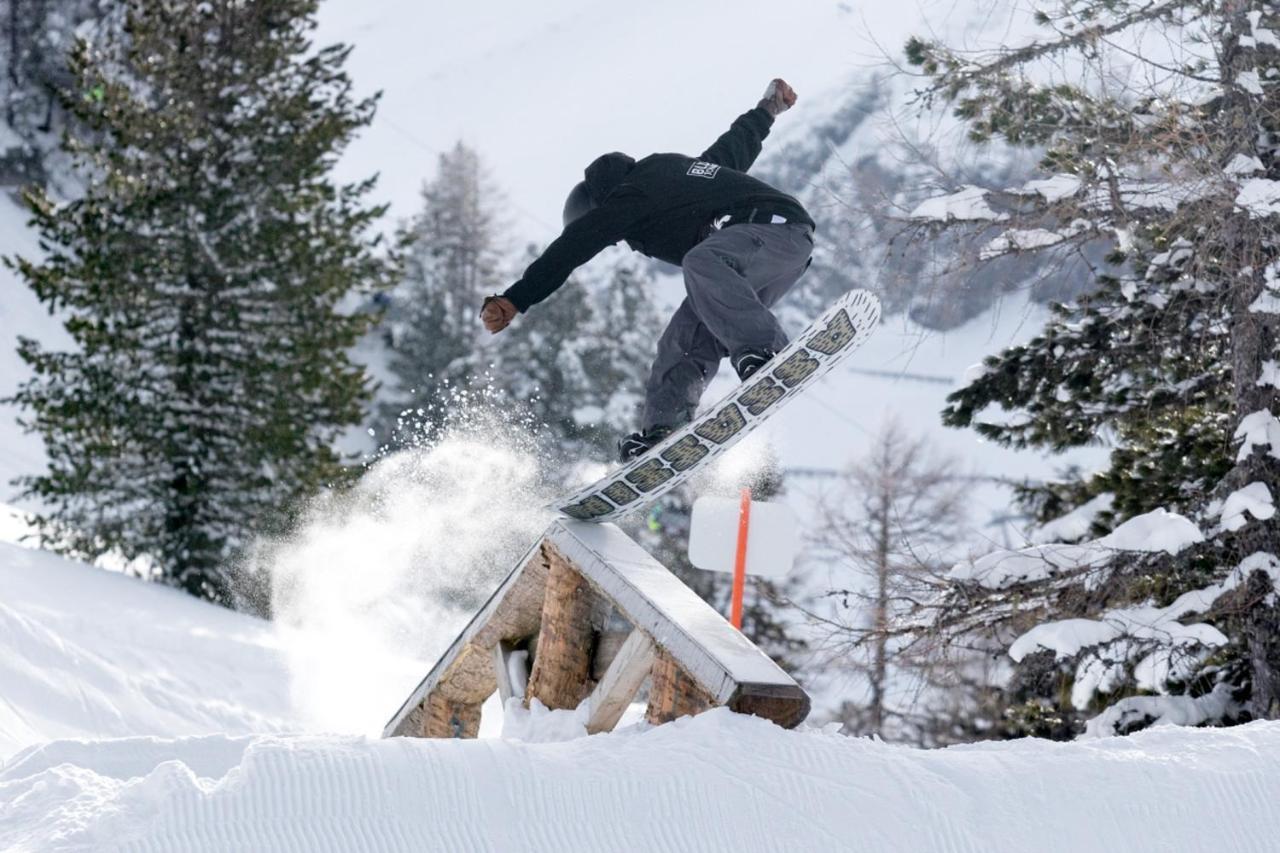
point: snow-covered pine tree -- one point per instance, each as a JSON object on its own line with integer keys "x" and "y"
{"x": 35, "y": 39}
{"x": 452, "y": 260}
{"x": 1161, "y": 124}
{"x": 200, "y": 277}
{"x": 578, "y": 362}
{"x": 621, "y": 336}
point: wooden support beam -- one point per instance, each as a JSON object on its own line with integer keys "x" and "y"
{"x": 621, "y": 681}
{"x": 672, "y": 693}
{"x": 441, "y": 717}
{"x": 561, "y": 674}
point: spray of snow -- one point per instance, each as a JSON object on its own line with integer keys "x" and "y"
{"x": 382, "y": 579}
{"x": 747, "y": 463}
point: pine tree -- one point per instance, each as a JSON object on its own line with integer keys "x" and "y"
{"x": 578, "y": 362}
{"x": 452, "y": 261}
{"x": 1173, "y": 355}
{"x": 200, "y": 277}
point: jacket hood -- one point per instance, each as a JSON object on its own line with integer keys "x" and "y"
{"x": 606, "y": 172}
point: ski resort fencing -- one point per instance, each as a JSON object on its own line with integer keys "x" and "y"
{"x": 587, "y": 614}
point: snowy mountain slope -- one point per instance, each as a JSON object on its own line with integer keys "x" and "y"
{"x": 714, "y": 782}
{"x": 91, "y": 653}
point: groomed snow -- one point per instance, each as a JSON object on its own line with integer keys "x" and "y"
{"x": 717, "y": 782}
{"x": 91, "y": 653}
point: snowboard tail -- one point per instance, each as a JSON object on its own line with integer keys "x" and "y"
{"x": 840, "y": 330}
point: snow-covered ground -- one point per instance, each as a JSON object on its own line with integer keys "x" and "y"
{"x": 152, "y": 721}
{"x": 715, "y": 782}
{"x": 87, "y": 653}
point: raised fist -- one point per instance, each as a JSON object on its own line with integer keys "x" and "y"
{"x": 497, "y": 313}
{"x": 779, "y": 97}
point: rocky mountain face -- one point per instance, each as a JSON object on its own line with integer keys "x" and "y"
{"x": 862, "y": 165}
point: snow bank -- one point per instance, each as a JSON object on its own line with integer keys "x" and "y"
{"x": 715, "y": 782}
{"x": 90, "y": 653}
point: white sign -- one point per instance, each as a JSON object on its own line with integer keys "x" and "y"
{"x": 772, "y": 539}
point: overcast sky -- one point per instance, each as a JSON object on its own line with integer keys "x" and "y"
{"x": 541, "y": 88}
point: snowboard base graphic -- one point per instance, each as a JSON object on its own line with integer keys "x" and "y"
{"x": 840, "y": 330}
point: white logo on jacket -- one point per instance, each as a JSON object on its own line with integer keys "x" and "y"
{"x": 703, "y": 169}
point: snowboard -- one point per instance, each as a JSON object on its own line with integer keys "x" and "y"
{"x": 827, "y": 341}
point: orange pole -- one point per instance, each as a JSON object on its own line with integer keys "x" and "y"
{"x": 740, "y": 562}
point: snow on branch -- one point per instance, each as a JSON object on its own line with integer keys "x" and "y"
{"x": 1073, "y": 526}
{"x": 1260, "y": 197}
{"x": 1020, "y": 240}
{"x": 1258, "y": 429}
{"x": 1003, "y": 569}
{"x": 1270, "y": 374}
{"x": 1244, "y": 164}
{"x": 1153, "y": 640}
{"x": 1055, "y": 188}
{"x": 968, "y": 204}
{"x": 1254, "y": 499}
{"x": 1159, "y": 530}
{"x": 1138, "y": 712}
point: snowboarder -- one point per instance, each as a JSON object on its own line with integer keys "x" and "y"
{"x": 741, "y": 243}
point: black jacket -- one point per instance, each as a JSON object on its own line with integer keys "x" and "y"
{"x": 662, "y": 205}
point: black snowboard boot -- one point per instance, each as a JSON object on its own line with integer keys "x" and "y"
{"x": 747, "y": 362}
{"x": 639, "y": 443}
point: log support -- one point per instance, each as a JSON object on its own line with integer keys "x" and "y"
{"x": 561, "y": 675}
{"x": 673, "y": 694}
{"x": 447, "y": 718}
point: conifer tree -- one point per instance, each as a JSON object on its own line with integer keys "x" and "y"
{"x": 452, "y": 260}
{"x": 1173, "y": 355}
{"x": 200, "y": 276}
{"x": 579, "y": 360}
